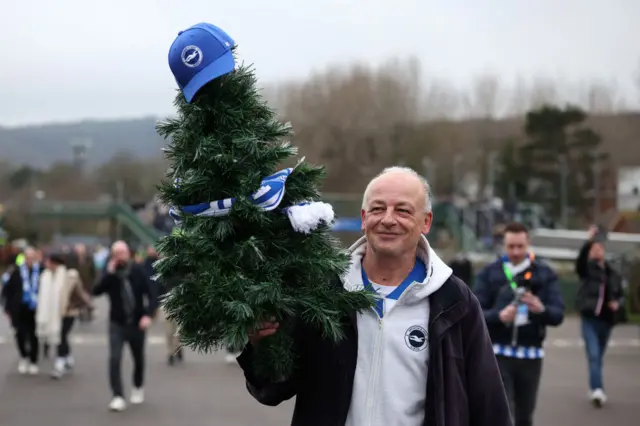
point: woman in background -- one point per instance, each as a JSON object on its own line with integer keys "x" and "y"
{"x": 60, "y": 300}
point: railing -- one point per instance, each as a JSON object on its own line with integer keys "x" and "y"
{"x": 96, "y": 211}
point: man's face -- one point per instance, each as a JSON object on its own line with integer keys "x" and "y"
{"x": 120, "y": 254}
{"x": 596, "y": 252}
{"x": 80, "y": 250}
{"x": 516, "y": 245}
{"x": 394, "y": 219}
{"x": 30, "y": 257}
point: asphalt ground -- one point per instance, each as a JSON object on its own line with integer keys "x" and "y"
{"x": 207, "y": 391}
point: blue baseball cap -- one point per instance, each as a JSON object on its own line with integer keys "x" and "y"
{"x": 198, "y": 55}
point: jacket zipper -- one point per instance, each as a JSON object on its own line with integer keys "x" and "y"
{"x": 378, "y": 349}
{"x": 373, "y": 377}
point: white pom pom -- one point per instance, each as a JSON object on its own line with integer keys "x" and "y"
{"x": 307, "y": 217}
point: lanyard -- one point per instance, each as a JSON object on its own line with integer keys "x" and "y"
{"x": 417, "y": 274}
{"x": 509, "y": 276}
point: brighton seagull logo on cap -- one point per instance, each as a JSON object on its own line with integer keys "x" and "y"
{"x": 191, "y": 56}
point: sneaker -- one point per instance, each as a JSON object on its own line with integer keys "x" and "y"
{"x": 23, "y": 366}
{"x": 57, "y": 374}
{"x": 171, "y": 360}
{"x": 69, "y": 362}
{"x": 137, "y": 396}
{"x": 598, "y": 398}
{"x": 179, "y": 355}
{"x": 33, "y": 369}
{"x": 117, "y": 404}
{"x": 59, "y": 368}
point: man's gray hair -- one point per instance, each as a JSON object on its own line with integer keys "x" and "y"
{"x": 405, "y": 170}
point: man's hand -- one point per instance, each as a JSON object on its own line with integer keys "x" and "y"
{"x": 266, "y": 329}
{"x": 533, "y": 302}
{"x": 111, "y": 266}
{"x": 593, "y": 231}
{"x": 144, "y": 323}
{"x": 614, "y": 305}
{"x": 508, "y": 314}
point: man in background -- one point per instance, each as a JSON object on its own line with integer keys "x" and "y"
{"x": 132, "y": 305}
{"x": 520, "y": 297}
{"x": 599, "y": 302}
{"x": 20, "y": 295}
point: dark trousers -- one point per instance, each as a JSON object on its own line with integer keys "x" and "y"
{"x": 26, "y": 338}
{"x": 118, "y": 336}
{"x": 595, "y": 333}
{"x": 64, "y": 350}
{"x": 521, "y": 378}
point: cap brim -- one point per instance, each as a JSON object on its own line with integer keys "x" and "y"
{"x": 223, "y": 65}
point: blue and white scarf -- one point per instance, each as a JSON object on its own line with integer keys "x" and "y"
{"x": 304, "y": 217}
{"x": 268, "y": 197}
{"x": 30, "y": 285}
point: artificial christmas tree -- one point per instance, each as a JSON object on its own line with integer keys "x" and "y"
{"x": 253, "y": 242}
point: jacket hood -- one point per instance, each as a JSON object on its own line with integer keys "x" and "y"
{"x": 437, "y": 271}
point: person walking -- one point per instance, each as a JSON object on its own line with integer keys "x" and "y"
{"x": 520, "y": 297}
{"x": 83, "y": 264}
{"x": 598, "y": 301}
{"x": 60, "y": 299}
{"x": 20, "y": 294}
{"x": 132, "y": 305}
{"x": 174, "y": 348}
{"x": 421, "y": 357}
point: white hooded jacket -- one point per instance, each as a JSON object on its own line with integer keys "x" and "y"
{"x": 390, "y": 383}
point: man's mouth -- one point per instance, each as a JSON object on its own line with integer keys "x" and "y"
{"x": 388, "y": 234}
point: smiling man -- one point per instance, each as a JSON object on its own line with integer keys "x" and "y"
{"x": 421, "y": 356}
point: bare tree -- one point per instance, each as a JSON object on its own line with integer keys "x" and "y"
{"x": 441, "y": 100}
{"x": 136, "y": 177}
{"x": 543, "y": 90}
{"x": 485, "y": 98}
{"x": 601, "y": 98}
{"x": 351, "y": 119}
{"x": 519, "y": 98}
{"x": 636, "y": 80}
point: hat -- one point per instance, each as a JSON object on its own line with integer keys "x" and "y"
{"x": 198, "y": 55}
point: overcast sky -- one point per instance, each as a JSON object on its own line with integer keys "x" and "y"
{"x": 67, "y": 60}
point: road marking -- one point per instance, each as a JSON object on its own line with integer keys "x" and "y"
{"x": 158, "y": 339}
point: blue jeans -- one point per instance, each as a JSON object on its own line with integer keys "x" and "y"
{"x": 595, "y": 333}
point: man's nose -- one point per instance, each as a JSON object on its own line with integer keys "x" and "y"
{"x": 389, "y": 218}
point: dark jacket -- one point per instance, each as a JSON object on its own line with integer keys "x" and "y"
{"x": 463, "y": 385}
{"x": 592, "y": 276}
{"x": 12, "y": 297}
{"x": 494, "y": 293}
{"x": 145, "y": 299}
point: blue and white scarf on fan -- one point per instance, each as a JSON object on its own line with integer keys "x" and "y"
{"x": 30, "y": 285}
{"x": 304, "y": 217}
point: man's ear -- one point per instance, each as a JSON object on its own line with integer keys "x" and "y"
{"x": 428, "y": 220}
